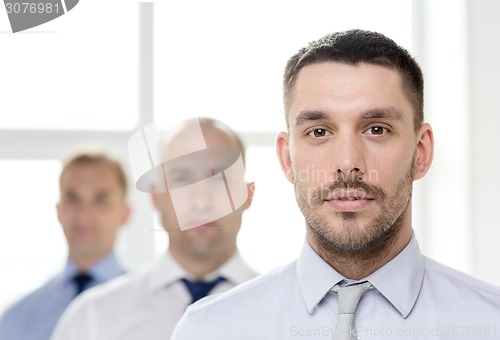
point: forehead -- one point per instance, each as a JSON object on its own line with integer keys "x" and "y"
{"x": 334, "y": 87}
{"x": 92, "y": 174}
{"x": 188, "y": 139}
{"x": 216, "y": 150}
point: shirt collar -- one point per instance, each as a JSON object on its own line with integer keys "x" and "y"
{"x": 166, "y": 271}
{"x": 234, "y": 270}
{"x": 316, "y": 278}
{"x": 408, "y": 266}
{"x": 103, "y": 270}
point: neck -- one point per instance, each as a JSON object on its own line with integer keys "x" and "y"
{"x": 200, "y": 266}
{"x": 359, "y": 265}
{"x": 84, "y": 262}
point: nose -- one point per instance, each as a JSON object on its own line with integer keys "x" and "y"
{"x": 84, "y": 213}
{"x": 348, "y": 156}
{"x": 205, "y": 194}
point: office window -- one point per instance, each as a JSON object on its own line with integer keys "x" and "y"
{"x": 31, "y": 239}
{"x": 225, "y": 59}
{"x": 76, "y": 72}
{"x": 273, "y": 228}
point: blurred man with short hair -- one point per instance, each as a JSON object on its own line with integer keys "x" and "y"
{"x": 92, "y": 208}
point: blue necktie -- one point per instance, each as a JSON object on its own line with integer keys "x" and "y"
{"x": 82, "y": 281}
{"x": 200, "y": 289}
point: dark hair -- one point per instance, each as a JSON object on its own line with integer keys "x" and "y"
{"x": 353, "y": 47}
{"x": 90, "y": 156}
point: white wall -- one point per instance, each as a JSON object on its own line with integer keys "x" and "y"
{"x": 458, "y": 48}
{"x": 484, "y": 120}
{"x": 442, "y": 198}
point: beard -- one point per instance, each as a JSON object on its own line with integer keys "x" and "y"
{"x": 348, "y": 241}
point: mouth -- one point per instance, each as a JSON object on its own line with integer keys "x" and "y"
{"x": 203, "y": 226}
{"x": 349, "y": 200}
{"x": 349, "y": 195}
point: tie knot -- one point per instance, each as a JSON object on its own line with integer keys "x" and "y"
{"x": 200, "y": 289}
{"x": 82, "y": 281}
{"x": 349, "y": 296}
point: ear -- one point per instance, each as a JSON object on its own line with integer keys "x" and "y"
{"x": 283, "y": 151}
{"x": 425, "y": 151}
{"x": 126, "y": 214}
{"x": 251, "y": 190}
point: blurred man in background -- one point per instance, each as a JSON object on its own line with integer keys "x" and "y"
{"x": 91, "y": 210}
{"x": 204, "y": 165}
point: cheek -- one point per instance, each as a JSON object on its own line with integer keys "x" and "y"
{"x": 312, "y": 169}
{"x": 67, "y": 210}
{"x": 169, "y": 217}
{"x": 232, "y": 223}
{"x": 107, "y": 212}
{"x": 63, "y": 215}
{"x": 165, "y": 205}
{"x": 388, "y": 169}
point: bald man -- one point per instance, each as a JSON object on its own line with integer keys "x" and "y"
{"x": 202, "y": 257}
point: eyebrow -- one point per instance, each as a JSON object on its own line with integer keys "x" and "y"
{"x": 378, "y": 113}
{"x": 306, "y": 116}
{"x": 386, "y": 112}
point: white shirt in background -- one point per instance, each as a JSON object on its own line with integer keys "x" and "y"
{"x": 141, "y": 306}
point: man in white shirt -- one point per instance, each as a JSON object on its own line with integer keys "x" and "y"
{"x": 356, "y": 141}
{"x": 201, "y": 259}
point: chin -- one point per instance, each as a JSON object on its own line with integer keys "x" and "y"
{"x": 202, "y": 252}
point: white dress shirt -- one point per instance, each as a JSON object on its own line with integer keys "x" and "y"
{"x": 140, "y": 306}
{"x": 413, "y": 298}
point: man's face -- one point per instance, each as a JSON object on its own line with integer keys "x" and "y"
{"x": 351, "y": 154}
{"x": 91, "y": 209}
{"x": 194, "y": 207}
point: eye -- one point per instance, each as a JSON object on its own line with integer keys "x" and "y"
{"x": 70, "y": 197}
{"x": 102, "y": 199}
{"x": 319, "y": 133}
{"x": 179, "y": 180}
{"x": 377, "y": 130}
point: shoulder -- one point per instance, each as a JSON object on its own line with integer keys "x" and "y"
{"x": 30, "y": 302}
{"x": 114, "y": 292}
{"x": 225, "y": 311}
{"x": 453, "y": 281}
{"x": 84, "y": 314}
{"x": 109, "y": 297}
{"x": 258, "y": 288}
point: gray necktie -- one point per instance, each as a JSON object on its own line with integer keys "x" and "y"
{"x": 349, "y": 297}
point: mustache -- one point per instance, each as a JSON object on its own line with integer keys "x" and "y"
{"x": 368, "y": 190}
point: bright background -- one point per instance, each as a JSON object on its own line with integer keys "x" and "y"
{"x": 109, "y": 67}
